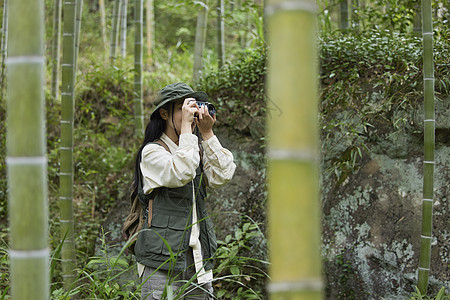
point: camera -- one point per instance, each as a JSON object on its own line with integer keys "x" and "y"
{"x": 211, "y": 108}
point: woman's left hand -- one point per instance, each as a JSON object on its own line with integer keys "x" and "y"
{"x": 205, "y": 122}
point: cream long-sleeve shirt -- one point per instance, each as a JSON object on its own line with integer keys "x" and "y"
{"x": 176, "y": 168}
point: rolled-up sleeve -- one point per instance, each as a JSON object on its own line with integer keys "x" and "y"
{"x": 161, "y": 168}
{"x": 218, "y": 164}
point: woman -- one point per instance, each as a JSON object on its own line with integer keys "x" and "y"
{"x": 173, "y": 169}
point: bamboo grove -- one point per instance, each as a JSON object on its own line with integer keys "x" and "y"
{"x": 26, "y": 151}
{"x": 292, "y": 150}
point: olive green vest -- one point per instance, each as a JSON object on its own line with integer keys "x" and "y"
{"x": 171, "y": 226}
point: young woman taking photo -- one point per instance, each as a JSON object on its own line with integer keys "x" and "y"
{"x": 173, "y": 168}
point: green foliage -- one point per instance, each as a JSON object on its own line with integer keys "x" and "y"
{"x": 105, "y": 99}
{"x": 238, "y": 273}
{"x": 103, "y": 277}
{"x": 396, "y": 16}
{"x": 238, "y": 91}
{"x": 441, "y": 295}
{"x": 176, "y": 20}
{"x": 175, "y": 23}
{"x": 371, "y": 84}
{"x": 384, "y": 15}
{"x": 4, "y": 268}
{"x": 345, "y": 270}
{"x": 171, "y": 64}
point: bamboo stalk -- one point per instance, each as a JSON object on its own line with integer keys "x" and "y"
{"x": 56, "y": 48}
{"x": 101, "y": 8}
{"x": 115, "y": 30}
{"x": 66, "y": 150}
{"x": 200, "y": 40}
{"x": 150, "y": 29}
{"x": 4, "y": 46}
{"x": 78, "y": 16}
{"x": 138, "y": 104}
{"x": 220, "y": 33}
{"x": 429, "y": 132}
{"x": 344, "y": 15}
{"x": 123, "y": 28}
{"x": 26, "y": 151}
{"x": 294, "y": 208}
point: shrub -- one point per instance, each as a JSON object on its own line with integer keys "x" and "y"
{"x": 238, "y": 91}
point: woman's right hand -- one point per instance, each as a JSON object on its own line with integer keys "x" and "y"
{"x": 188, "y": 111}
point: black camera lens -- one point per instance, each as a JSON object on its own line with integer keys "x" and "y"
{"x": 211, "y": 108}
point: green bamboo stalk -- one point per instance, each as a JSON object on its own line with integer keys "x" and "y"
{"x": 417, "y": 23}
{"x": 243, "y": 35}
{"x": 79, "y": 13}
{"x": 4, "y": 46}
{"x": 294, "y": 208}
{"x": 66, "y": 150}
{"x": 150, "y": 30}
{"x": 200, "y": 40}
{"x": 220, "y": 33}
{"x": 428, "y": 164}
{"x": 26, "y": 151}
{"x": 123, "y": 28}
{"x": 138, "y": 103}
{"x": 101, "y": 8}
{"x": 56, "y": 46}
{"x": 344, "y": 14}
{"x": 354, "y": 20}
{"x": 115, "y": 30}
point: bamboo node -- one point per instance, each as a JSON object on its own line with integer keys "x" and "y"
{"x": 65, "y": 174}
{"x": 301, "y": 155}
{"x": 66, "y": 221}
{"x": 426, "y": 237}
{"x": 29, "y": 59}
{"x": 26, "y": 160}
{"x": 303, "y": 285}
{"x": 27, "y": 254}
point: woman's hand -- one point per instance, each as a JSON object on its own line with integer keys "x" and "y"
{"x": 188, "y": 110}
{"x": 205, "y": 122}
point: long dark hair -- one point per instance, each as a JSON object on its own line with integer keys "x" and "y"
{"x": 153, "y": 131}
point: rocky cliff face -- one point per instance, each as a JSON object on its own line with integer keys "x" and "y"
{"x": 372, "y": 220}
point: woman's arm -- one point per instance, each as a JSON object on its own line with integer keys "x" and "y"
{"x": 218, "y": 164}
{"x": 162, "y": 168}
